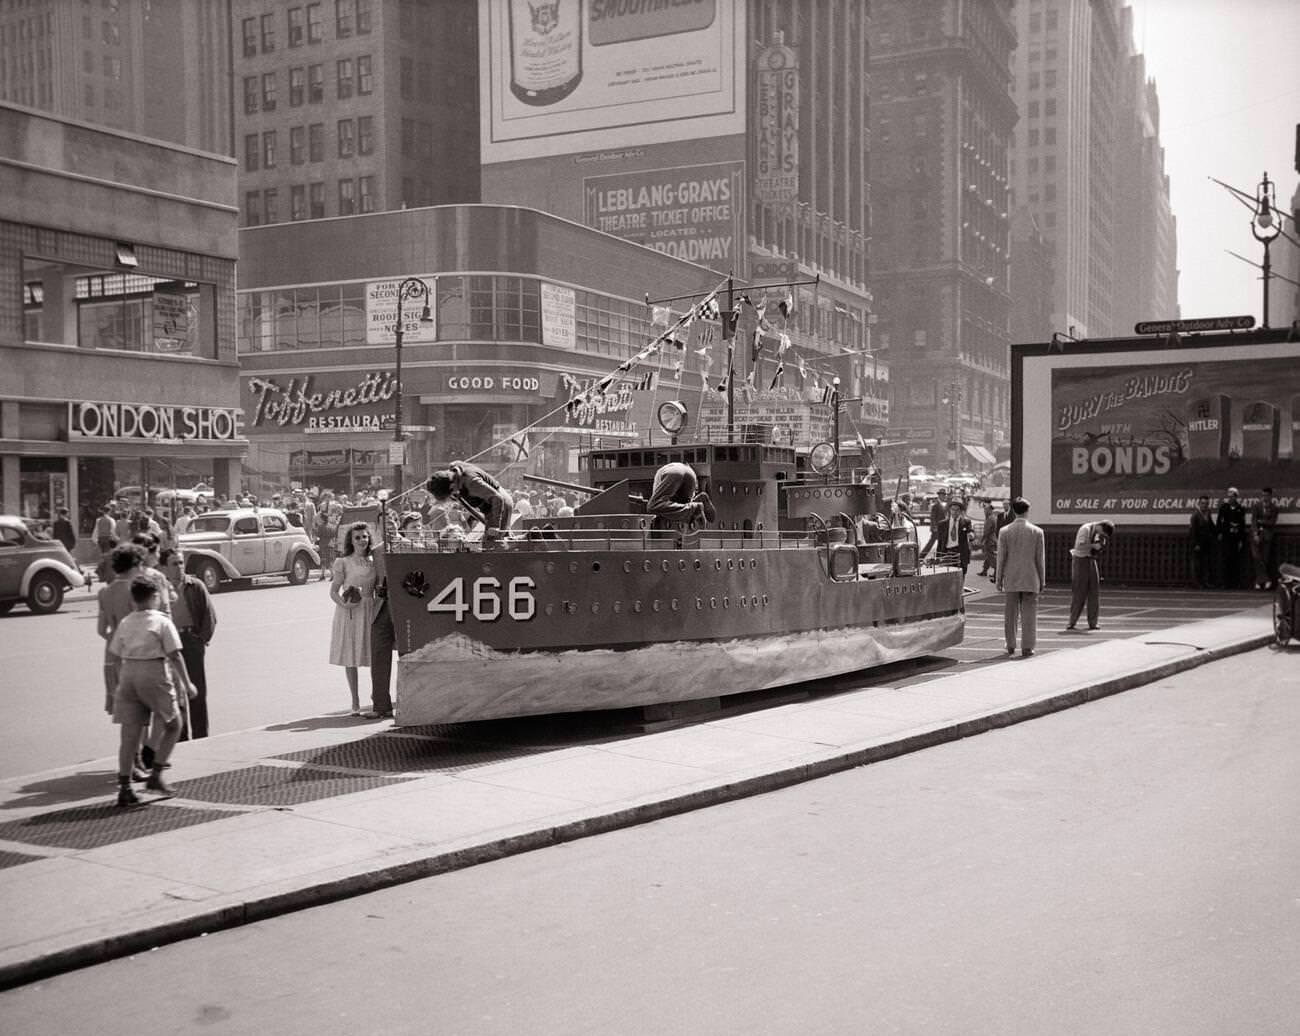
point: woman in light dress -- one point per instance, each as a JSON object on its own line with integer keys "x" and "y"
{"x": 352, "y": 589}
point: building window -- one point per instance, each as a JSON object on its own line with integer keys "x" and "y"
{"x": 268, "y": 33}
{"x": 111, "y": 34}
{"x": 297, "y": 202}
{"x": 1049, "y": 192}
{"x": 1033, "y": 80}
{"x": 253, "y": 208}
{"x": 268, "y": 92}
{"x": 268, "y": 150}
{"x": 317, "y": 203}
{"x": 112, "y": 67}
{"x": 250, "y": 37}
{"x": 316, "y": 142}
{"x": 408, "y": 137}
{"x": 314, "y": 31}
{"x": 269, "y": 207}
{"x": 297, "y": 145}
{"x": 251, "y": 153}
{"x": 366, "y": 193}
{"x": 1049, "y": 135}
{"x": 344, "y": 79}
{"x": 363, "y": 17}
{"x": 297, "y": 86}
{"x": 296, "y": 33}
{"x": 1049, "y": 164}
{"x": 1033, "y": 138}
{"x": 365, "y": 135}
{"x": 1049, "y": 78}
{"x": 365, "y": 77}
{"x": 1051, "y": 18}
{"x": 347, "y": 198}
{"x": 347, "y": 140}
{"x": 343, "y": 18}
{"x": 1049, "y": 107}
{"x": 250, "y": 95}
{"x": 1033, "y": 109}
{"x": 315, "y": 83}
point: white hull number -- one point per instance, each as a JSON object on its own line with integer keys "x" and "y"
{"x": 484, "y": 599}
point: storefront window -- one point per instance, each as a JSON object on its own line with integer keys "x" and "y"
{"x": 137, "y": 313}
{"x": 453, "y": 309}
{"x": 42, "y": 487}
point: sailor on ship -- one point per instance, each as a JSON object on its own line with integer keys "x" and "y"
{"x": 478, "y": 493}
{"x": 675, "y": 497}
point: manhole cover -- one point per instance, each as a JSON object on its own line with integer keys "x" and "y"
{"x": 397, "y": 754}
{"x": 277, "y": 785}
{"x": 88, "y": 827}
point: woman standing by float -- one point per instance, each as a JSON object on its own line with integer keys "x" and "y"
{"x": 352, "y": 589}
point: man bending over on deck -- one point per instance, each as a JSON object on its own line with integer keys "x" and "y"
{"x": 478, "y": 493}
{"x": 675, "y": 496}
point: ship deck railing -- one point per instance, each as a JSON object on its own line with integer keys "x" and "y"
{"x": 425, "y": 541}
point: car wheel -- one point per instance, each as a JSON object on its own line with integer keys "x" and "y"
{"x": 210, "y": 576}
{"x": 299, "y": 570}
{"x": 1283, "y": 629}
{"x": 6, "y": 607}
{"x": 45, "y": 595}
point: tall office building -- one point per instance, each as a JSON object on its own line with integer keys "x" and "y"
{"x": 941, "y": 125}
{"x": 1146, "y": 259}
{"x": 354, "y": 106}
{"x": 159, "y": 70}
{"x": 1089, "y": 166}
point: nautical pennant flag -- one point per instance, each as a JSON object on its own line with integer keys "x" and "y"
{"x": 826, "y": 393}
{"x": 803, "y": 369}
{"x": 786, "y": 305}
{"x": 776, "y": 378}
{"x": 647, "y": 381}
{"x": 784, "y": 344}
{"x": 757, "y": 349}
{"x": 709, "y": 309}
{"x": 660, "y": 316}
{"x": 520, "y": 442}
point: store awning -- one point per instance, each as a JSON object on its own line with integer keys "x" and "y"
{"x": 979, "y": 453}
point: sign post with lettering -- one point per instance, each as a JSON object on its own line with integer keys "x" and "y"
{"x": 776, "y": 150}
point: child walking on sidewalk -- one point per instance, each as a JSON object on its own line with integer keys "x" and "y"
{"x": 149, "y": 647}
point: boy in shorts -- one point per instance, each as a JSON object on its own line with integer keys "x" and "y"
{"x": 149, "y": 647}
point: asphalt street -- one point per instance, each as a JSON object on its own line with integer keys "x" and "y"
{"x": 267, "y": 664}
{"x": 1125, "y": 867}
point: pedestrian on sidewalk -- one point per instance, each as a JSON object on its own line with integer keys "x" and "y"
{"x": 149, "y": 648}
{"x": 352, "y": 589}
{"x": 196, "y": 621}
{"x": 1085, "y": 576}
{"x": 1263, "y": 539}
{"x": 989, "y": 541}
{"x": 1204, "y": 542}
{"x": 1021, "y": 575}
{"x": 1231, "y": 527}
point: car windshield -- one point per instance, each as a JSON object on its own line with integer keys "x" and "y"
{"x": 210, "y": 523}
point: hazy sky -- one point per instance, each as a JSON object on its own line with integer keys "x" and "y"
{"x": 1228, "y": 75}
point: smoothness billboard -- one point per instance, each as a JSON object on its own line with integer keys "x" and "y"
{"x": 563, "y": 76}
{"x": 1138, "y": 436}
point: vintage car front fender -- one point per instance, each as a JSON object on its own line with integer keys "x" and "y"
{"x": 71, "y": 576}
{"x": 193, "y": 553}
{"x": 301, "y": 548}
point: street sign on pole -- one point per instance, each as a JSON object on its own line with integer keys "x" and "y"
{"x": 397, "y": 453}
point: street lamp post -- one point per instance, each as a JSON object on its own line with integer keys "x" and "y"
{"x": 953, "y": 400}
{"x": 1265, "y": 227}
{"x": 411, "y": 288}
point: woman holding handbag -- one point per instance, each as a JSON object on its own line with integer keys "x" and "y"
{"x": 352, "y": 589}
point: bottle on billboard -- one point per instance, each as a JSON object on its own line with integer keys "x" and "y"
{"x": 545, "y": 49}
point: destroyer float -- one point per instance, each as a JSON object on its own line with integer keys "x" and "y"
{"x": 798, "y": 579}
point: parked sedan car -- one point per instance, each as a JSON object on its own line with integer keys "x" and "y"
{"x": 240, "y": 543}
{"x": 33, "y": 569}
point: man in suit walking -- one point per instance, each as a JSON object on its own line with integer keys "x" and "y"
{"x": 953, "y": 535}
{"x": 1021, "y": 575}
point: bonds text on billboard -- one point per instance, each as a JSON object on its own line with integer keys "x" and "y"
{"x": 690, "y": 212}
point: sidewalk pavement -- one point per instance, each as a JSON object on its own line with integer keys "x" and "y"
{"x": 273, "y": 820}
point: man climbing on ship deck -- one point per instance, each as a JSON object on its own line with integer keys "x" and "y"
{"x": 675, "y": 496}
{"x": 478, "y": 493}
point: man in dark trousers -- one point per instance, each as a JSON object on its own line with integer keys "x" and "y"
{"x": 674, "y": 497}
{"x": 1085, "y": 578}
{"x": 478, "y": 493}
{"x": 1263, "y": 540}
{"x": 1204, "y": 541}
{"x": 63, "y": 530}
{"x": 196, "y": 621}
{"x": 383, "y": 639}
{"x": 953, "y": 535}
{"x": 1231, "y": 527}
